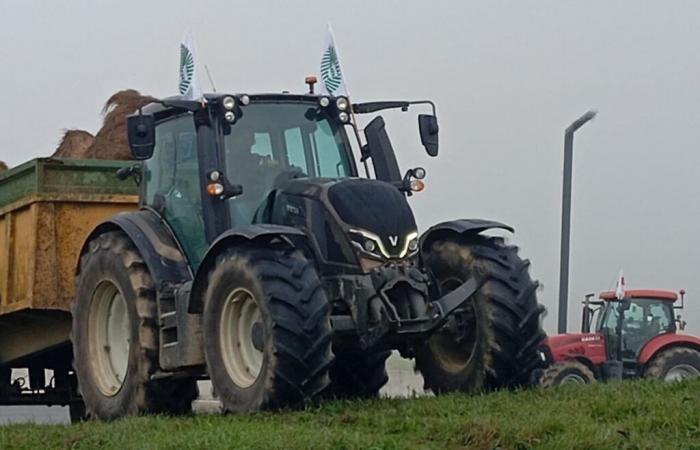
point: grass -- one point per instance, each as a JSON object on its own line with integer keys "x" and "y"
{"x": 627, "y": 415}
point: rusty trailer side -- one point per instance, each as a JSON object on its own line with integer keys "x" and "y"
{"x": 47, "y": 209}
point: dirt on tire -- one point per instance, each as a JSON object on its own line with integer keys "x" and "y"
{"x": 111, "y": 257}
{"x": 501, "y": 323}
{"x": 295, "y": 316}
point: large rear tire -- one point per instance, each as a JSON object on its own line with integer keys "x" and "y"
{"x": 115, "y": 336}
{"x": 567, "y": 372}
{"x": 493, "y": 340}
{"x": 267, "y": 331}
{"x": 674, "y": 364}
{"x": 358, "y": 374}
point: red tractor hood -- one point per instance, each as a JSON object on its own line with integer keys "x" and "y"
{"x": 588, "y": 346}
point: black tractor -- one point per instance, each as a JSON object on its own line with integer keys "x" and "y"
{"x": 260, "y": 259}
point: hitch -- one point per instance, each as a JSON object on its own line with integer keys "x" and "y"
{"x": 439, "y": 310}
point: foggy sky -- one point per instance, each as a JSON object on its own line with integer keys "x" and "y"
{"x": 507, "y": 77}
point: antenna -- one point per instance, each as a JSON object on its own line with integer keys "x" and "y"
{"x": 211, "y": 81}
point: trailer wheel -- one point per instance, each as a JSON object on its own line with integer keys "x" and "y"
{"x": 115, "y": 336}
{"x": 492, "y": 342}
{"x": 358, "y": 374}
{"x": 674, "y": 364}
{"x": 567, "y": 372}
{"x": 267, "y": 332}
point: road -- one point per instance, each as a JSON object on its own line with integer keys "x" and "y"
{"x": 403, "y": 382}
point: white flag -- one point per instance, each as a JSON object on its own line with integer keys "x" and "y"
{"x": 332, "y": 81}
{"x": 189, "y": 80}
{"x": 620, "y": 288}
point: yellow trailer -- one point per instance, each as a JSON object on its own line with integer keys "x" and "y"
{"x": 47, "y": 209}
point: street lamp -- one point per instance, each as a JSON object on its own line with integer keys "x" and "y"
{"x": 566, "y": 218}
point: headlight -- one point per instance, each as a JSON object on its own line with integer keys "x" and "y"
{"x": 343, "y": 116}
{"x": 371, "y": 244}
{"x": 341, "y": 103}
{"x": 244, "y": 99}
{"x": 325, "y": 101}
{"x": 412, "y": 245}
{"x": 230, "y": 116}
{"x": 419, "y": 173}
{"x": 228, "y": 102}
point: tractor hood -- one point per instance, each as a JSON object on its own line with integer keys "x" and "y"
{"x": 588, "y": 346}
{"x": 348, "y": 219}
{"x": 377, "y": 208}
{"x": 565, "y": 340}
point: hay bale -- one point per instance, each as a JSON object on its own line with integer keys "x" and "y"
{"x": 74, "y": 145}
{"x": 3, "y": 166}
{"x": 111, "y": 142}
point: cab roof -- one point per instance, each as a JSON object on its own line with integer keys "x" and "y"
{"x": 660, "y": 294}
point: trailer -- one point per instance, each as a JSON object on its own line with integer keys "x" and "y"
{"x": 48, "y": 207}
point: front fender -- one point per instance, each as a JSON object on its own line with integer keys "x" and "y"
{"x": 154, "y": 241}
{"x": 664, "y": 341}
{"x": 258, "y": 233}
{"x": 459, "y": 227}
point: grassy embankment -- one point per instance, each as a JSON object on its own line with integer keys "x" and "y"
{"x": 629, "y": 415}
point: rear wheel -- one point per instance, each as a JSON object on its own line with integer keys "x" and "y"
{"x": 674, "y": 364}
{"x": 492, "y": 341}
{"x": 567, "y": 372}
{"x": 115, "y": 336}
{"x": 358, "y": 374}
{"x": 267, "y": 332}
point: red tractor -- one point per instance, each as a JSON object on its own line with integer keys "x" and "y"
{"x": 634, "y": 337}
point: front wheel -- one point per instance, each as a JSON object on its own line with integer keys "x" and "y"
{"x": 674, "y": 364}
{"x": 567, "y": 372}
{"x": 492, "y": 341}
{"x": 267, "y": 331}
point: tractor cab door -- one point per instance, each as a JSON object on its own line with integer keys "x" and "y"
{"x": 172, "y": 184}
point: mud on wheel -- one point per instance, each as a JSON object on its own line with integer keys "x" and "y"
{"x": 567, "y": 372}
{"x": 115, "y": 339}
{"x": 491, "y": 342}
{"x": 674, "y": 364}
{"x": 267, "y": 332}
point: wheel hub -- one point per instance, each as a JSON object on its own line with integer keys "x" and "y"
{"x": 242, "y": 337}
{"x": 109, "y": 333}
{"x": 681, "y": 372}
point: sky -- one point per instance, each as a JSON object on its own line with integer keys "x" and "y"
{"x": 507, "y": 78}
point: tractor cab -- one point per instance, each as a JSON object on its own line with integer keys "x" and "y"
{"x": 628, "y": 324}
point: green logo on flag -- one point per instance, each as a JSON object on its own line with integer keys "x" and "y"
{"x": 330, "y": 70}
{"x": 186, "y": 69}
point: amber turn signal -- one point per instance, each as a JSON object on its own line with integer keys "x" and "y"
{"x": 417, "y": 185}
{"x": 215, "y": 189}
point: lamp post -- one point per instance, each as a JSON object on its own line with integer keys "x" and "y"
{"x": 566, "y": 218}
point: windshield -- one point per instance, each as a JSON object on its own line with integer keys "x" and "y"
{"x": 273, "y": 142}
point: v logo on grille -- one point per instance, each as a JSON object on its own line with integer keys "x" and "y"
{"x": 393, "y": 240}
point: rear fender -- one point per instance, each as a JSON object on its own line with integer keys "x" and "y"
{"x": 155, "y": 242}
{"x": 460, "y": 227}
{"x": 665, "y": 341}
{"x": 258, "y": 233}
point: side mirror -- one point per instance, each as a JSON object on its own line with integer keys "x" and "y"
{"x": 141, "y": 129}
{"x": 428, "y": 127}
{"x": 382, "y": 153}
